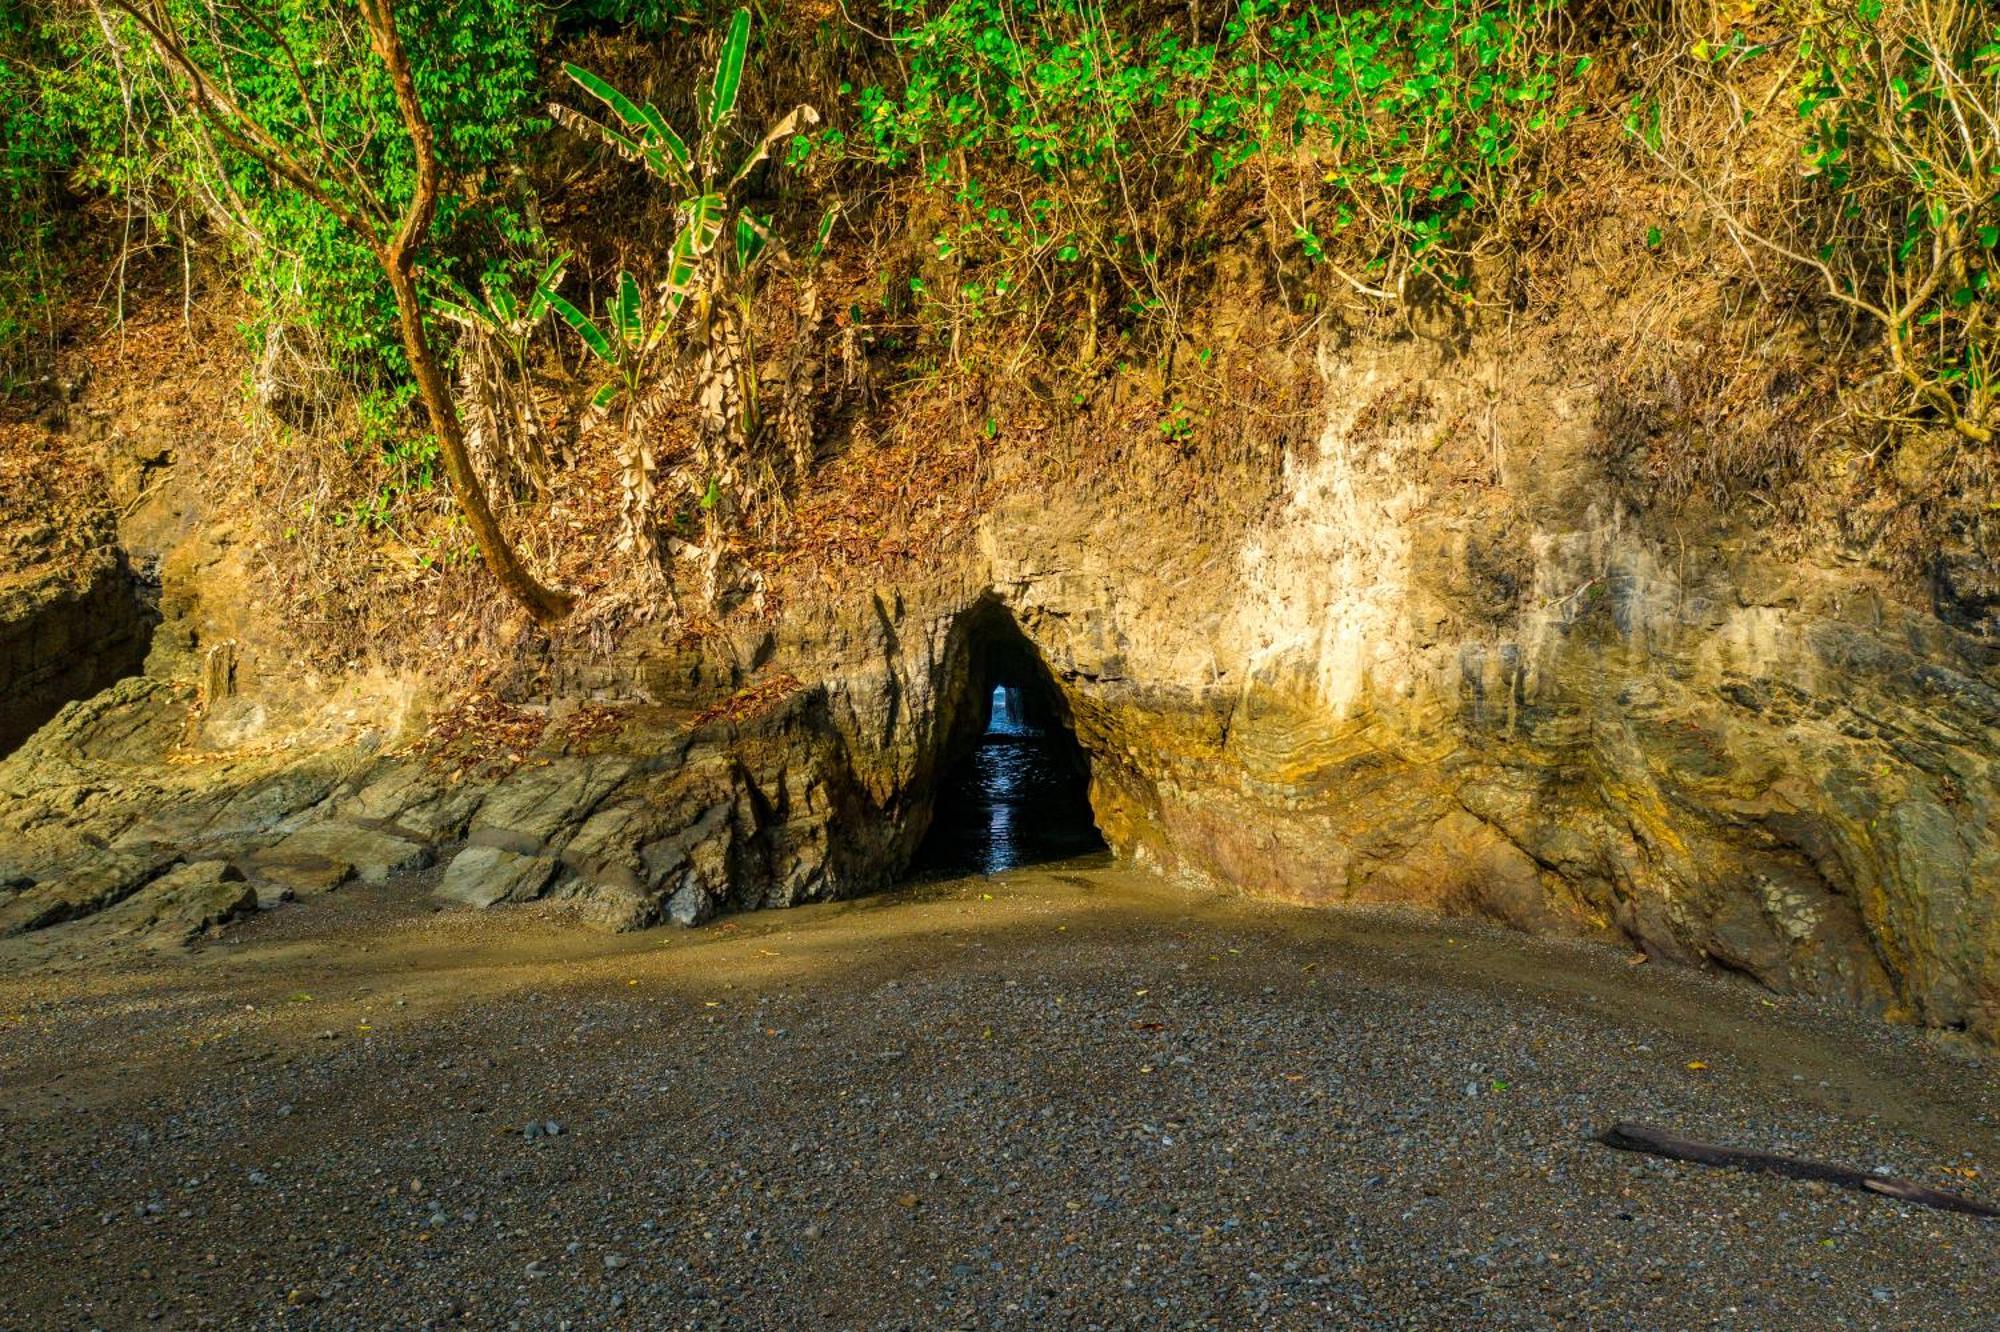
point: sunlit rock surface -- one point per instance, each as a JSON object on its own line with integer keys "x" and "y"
{"x": 1453, "y": 666}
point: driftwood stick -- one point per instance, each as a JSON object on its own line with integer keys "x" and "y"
{"x": 1658, "y": 1142}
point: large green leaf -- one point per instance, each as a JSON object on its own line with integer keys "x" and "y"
{"x": 662, "y": 150}
{"x": 682, "y": 269}
{"x": 825, "y": 231}
{"x": 503, "y": 305}
{"x": 729, "y": 72}
{"x": 631, "y": 318}
{"x": 753, "y": 238}
{"x": 704, "y": 220}
{"x": 578, "y": 123}
{"x": 622, "y": 106}
{"x": 592, "y": 335}
{"x": 681, "y": 160}
{"x": 550, "y": 279}
{"x": 467, "y": 309}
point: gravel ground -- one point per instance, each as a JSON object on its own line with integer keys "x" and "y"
{"x": 1058, "y": 1098}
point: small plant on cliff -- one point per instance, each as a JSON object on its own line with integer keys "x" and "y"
{"x": 1901, "y": 101}
{"x": 1896, "y": 215}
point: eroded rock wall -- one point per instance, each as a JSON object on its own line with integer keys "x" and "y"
{"x": 65, "y": 634}
{"x": 703, "y": 790}
{"x": 1456, "y": 667}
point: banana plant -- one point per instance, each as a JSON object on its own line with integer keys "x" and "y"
{"x": 705, "y": 183}
{"x": 798, "y": 388}
{"x": 625, "y": 343}
{"x": 497, "y": 313}
{"x": 705, "y": 299}
{"x": 718, "y": 245}
{"x": 504, "y": 433}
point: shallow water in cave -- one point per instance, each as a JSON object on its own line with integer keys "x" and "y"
{"x": 1022, "y": 797}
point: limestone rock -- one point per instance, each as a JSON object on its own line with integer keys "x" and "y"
{"x": 545, "y": 801}
{"x": 286, "y": 881}
{"x": 412, "y": 801}
{"x": 373, "y": 855}
{"x": 1467, "y": 669}
{"x": 690, "y": 906}
{"x": 89, "y": 884}
{"x": 183, "y": 904}
{"x": 481, "y": 876}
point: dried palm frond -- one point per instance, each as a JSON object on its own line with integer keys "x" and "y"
{"x": 799, "y": 391}
{"x": 504, "y": 433}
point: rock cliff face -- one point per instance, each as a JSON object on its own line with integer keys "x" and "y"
{"x": 74, "y": 616}
{"x": 1456, "y": 669}
{"x": 65, "y": 634}
{"x": 1454, "y": 665}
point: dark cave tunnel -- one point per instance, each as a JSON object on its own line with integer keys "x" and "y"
{"x": 1015, "y": 788}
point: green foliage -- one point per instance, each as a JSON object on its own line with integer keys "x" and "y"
{"x": 694, "y": 168}
{"x": 625, "y": 343}
{"x": 37, "y": 146}
{"x": 706, "y": 171}
{"x": 498, "y": 313}
{"x": 474, "y": 62}
{"x": 1391, "y": 130}
{"x": 412, "y": 461}
{"x": 1897, "y": 210}
{"x": 305, "y": 71}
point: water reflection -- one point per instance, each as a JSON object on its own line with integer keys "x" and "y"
{"x": 1021, "y": 798}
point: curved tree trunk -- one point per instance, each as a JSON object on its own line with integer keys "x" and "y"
{"x": 398, "y": 257}
{"x": 545, "y": 604}
{"x": 337, "y": 185}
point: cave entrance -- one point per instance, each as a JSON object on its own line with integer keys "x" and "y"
{"x": 1017, "y": 791}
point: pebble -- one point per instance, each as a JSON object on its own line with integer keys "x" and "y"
{"x": 1381, "y": 1142}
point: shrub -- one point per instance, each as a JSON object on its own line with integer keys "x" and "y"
{"x": 1383, "y": 136}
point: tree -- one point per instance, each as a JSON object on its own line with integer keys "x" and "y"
{"x": 394, "y": 235}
